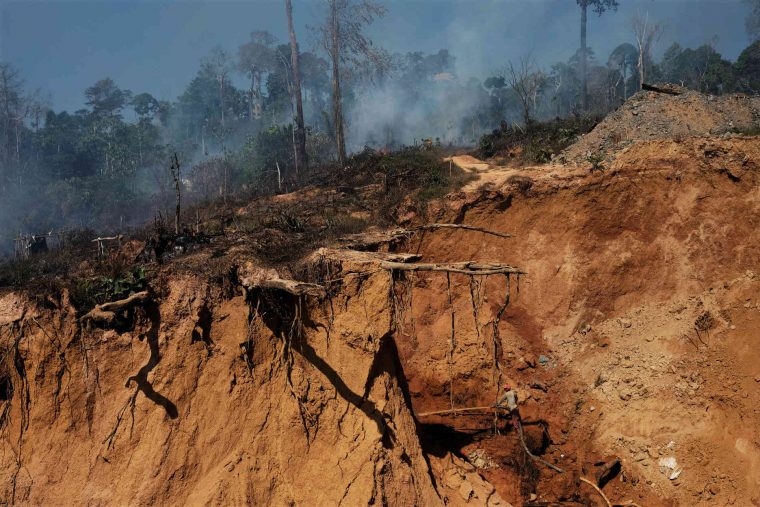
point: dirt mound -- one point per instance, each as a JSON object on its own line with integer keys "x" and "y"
{"x": 651, "y": 115}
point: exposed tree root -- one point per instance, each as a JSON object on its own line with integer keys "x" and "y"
{"x": 130, "y": 403}
{"x": 292, "y": 287}
{"x": 107, "y": 312}
{"x": 452, "y": 343}
{"x": 596, "y": 488}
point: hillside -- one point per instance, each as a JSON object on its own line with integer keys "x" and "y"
{"x": 262, "y": 369}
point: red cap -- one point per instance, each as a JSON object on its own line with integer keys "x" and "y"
{"x": 507, "y": 387}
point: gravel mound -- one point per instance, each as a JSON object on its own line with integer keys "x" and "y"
{"x": 652, "y": 115}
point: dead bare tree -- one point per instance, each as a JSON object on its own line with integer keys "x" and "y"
{"x": 175, "y": 171}
{"x": 526, "y": 81}
{"x": 646, "y": 33}
{"x": 300, "y": 131}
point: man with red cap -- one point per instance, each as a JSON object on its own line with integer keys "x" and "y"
{"x": 510, "y": 399}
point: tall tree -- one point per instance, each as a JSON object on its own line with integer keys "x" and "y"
{"x": 647, "y": 33}
{"x": 598, "y": 6}
{"x": 106, "y": 99}
{"x": 256, "y": 58}
{"x": 344, "y": 39}
{"x": 300, "y": 130}
{"x": 219, "y": 64}
{"x": 623, "y": 58}
{"x": 11, "y": 121}
{"x": 526, "y": 82}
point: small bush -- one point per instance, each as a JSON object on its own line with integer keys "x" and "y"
{"x": 538, "y": 142}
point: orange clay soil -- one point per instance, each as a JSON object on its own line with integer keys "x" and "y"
{"x": 633, "y": 336}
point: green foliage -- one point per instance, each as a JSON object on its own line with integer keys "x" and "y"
{"x": 748, "y": 67}
{"x": 121, "y": 283}
{"x": 596, "y": 160}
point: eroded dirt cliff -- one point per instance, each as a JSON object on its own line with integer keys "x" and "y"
{"x": 631, "y": 335}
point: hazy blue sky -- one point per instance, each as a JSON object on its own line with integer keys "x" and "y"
{"x": 63, "y": 46}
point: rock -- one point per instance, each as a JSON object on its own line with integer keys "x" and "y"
{"x": 543, "y": 360}
{"x": 626, "y": 323}
{"x": 713, "y": 488}
{"x": 465, "y": 491}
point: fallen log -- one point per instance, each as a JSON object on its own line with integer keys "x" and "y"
{"x": 659, "y": 89}
{"x": 431, "y": 227}
{"x": 465, "y": 268}
{"x": 106, "y": 313}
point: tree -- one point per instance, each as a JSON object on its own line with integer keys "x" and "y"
{"x": 748, "y": 68}
{"x": 219, "y": 64}
{"x": 300, "y": 131}
{"x": 175, "y": 170}
{"x": 11, "y": 121}
{"x": 256, "y": 58}
{"x": 752, "y": 22}
{"x": 106, "y": 99}
{"x": 624, "y": 58}
{"x": 598, "y": 6}
{"x": 342, "y": 35}
{"x": 145, "y": 106}
{"x": 646, "y": 33}
{"x": 526, "y": 81}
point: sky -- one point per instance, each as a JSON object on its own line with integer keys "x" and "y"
{"x": 155, "y": 46}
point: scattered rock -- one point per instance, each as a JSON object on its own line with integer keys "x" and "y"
{"x": 481, "y": 460}
{"x": 465, "y": 491}
{"x": 626, "y": 323}
{"x": 669, "y": 467}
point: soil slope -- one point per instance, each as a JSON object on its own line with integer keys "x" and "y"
{"x": 634, "y": 333}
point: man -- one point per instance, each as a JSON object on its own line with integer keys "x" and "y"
{"x": 510, "y": 399}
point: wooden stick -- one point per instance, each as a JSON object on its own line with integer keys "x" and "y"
{"x": 607, "y": 500}
{"x": 457, "y": 410}
{"x": 111, "y": 238}
{"x": 430, "y": 227}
